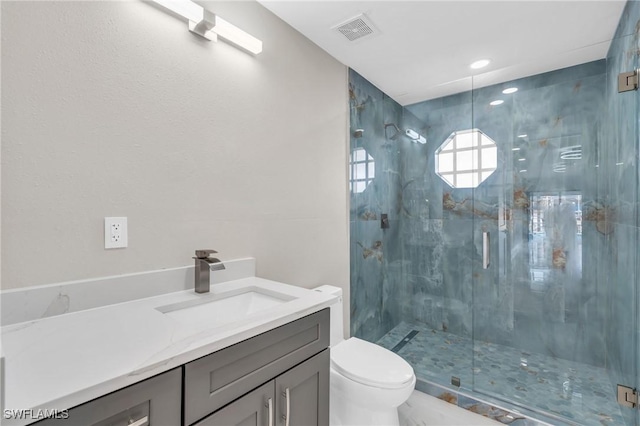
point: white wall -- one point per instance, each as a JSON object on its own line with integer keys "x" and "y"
{"x": 116, "y": 109}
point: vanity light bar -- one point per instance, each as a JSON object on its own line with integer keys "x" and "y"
{"x": 235, "y": 35}
{"x": 210, "y": 26}
{"x": 185, "y": 8}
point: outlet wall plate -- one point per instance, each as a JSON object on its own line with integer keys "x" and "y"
{"x": 115, "y": 232}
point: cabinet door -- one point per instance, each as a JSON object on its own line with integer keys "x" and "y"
{"x": 153, "y": 402}
{"x": 253, "y": 409}
{"x": 215, "y": 380}
{"x": 302, "y": 393}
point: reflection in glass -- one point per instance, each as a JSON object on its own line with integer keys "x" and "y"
{"x": 555, "y": 228}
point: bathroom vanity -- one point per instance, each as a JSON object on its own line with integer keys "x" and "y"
{"x": 280, "y": 376}
{"x": 136, "y": 363}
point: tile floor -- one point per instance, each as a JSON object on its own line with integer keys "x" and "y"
{"x": 576, "y": 392}
{"x": 422, "y": 409}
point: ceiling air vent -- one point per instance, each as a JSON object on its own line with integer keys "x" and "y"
{"x": 356, "y": 28}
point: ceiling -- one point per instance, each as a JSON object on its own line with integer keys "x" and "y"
{"x": 422, "y": 49}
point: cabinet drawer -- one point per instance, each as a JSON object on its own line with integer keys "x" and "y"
{"x": 217, "y": 379}
{"x": 158, "y": 400}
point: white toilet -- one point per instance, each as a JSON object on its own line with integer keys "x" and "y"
{"x": 367, "y": 382}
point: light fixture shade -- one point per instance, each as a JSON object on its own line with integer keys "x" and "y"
{"x": 210, "y": 26}
{"x": 235, "y": 35}
{"x": 185, "y": 8}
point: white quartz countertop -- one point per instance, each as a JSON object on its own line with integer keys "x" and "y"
{"x": 63, "y": 361}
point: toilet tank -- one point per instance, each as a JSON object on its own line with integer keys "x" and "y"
{"x": 335, "y": 313}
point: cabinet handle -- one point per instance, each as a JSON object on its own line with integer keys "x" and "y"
{"x": 140, "y": 422}
{"x": 287, "y": 396}
{"x": 270, "y": 405}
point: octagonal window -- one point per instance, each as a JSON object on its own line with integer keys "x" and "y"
{"x": 362, "y": 170}
{"x": 466, "y": 159}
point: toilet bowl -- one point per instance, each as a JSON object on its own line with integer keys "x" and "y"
{"x": 367, "y": 381}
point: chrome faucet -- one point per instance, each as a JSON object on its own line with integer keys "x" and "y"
{"x": 204, "y": 265}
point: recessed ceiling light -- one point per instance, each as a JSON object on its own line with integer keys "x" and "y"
{"x": 522, "y": 136}
{"x": 480, "y": 64}
{"x": 510, "y": 90}
{"x": 496, "y": 102}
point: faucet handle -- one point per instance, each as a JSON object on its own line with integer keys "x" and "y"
{"x": 203, "y": 254}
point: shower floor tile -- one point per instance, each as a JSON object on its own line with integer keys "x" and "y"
{"x": 577, "y": 392}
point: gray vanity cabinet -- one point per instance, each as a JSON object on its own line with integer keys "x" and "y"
{"x": 293, "y": 356}
{"x": 301, "y": 393}
{"x": 152, "y": 402}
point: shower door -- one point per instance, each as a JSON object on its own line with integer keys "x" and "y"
{"x": 556, "y": 237}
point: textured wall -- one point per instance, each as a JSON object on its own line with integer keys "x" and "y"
{"x": 116, "y": 109}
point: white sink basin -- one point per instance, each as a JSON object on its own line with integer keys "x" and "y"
{"x": 213, "y": 310}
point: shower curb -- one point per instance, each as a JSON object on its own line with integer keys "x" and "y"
{"x": 515, "y": 416}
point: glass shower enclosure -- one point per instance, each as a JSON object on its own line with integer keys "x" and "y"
{"x": 494, "y": 245}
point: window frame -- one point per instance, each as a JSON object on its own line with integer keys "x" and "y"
{"x": 450, "y": 145}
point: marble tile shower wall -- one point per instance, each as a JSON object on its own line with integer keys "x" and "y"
{"x": 540, "y": 294}
{"x": 431, "y": 271}
{"x": 620, "y": 165}
{"x": 429, "y": 258}
{"x": 376, "y": 253}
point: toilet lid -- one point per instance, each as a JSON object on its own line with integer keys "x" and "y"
{"x": 370, "y": 364}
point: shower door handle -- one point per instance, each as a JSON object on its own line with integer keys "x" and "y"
{"x": 486, "y": 251}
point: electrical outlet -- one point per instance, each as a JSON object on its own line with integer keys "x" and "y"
{"x": 115, "y": 232}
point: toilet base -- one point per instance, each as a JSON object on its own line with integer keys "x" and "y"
{"x": 355, "y": 404}
{"x": 346, "y": 414}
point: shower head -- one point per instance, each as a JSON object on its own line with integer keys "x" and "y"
{"x": 358, "y": 133}
{"x": 394, "y": 128}
{"x": 409, "y": 133}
